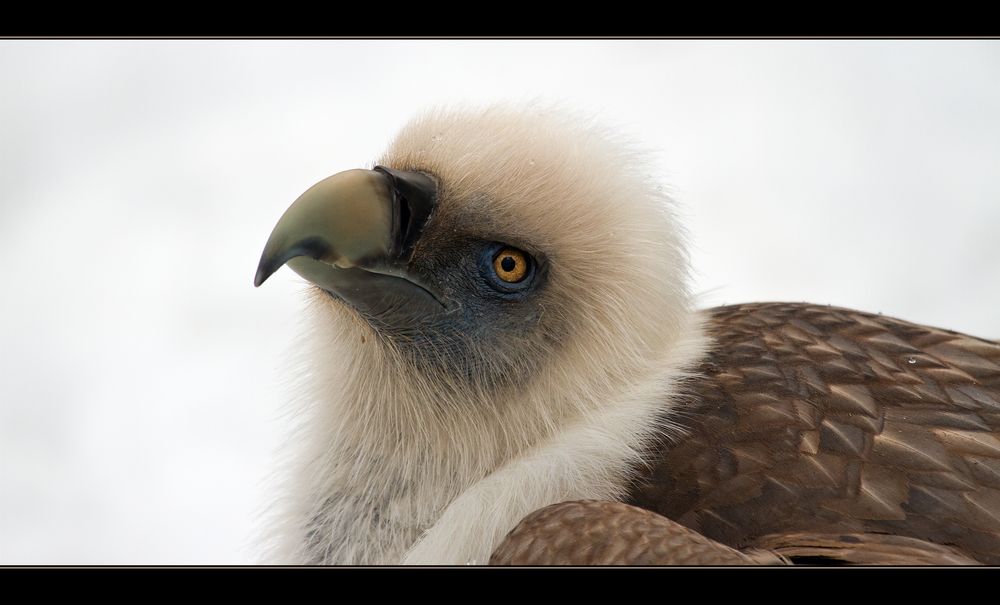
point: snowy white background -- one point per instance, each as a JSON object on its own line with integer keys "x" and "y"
{"x": 141, "y": 373}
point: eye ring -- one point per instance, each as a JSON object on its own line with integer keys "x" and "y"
{"x": 507, "y": 269}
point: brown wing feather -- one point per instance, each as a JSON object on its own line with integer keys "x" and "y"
{"x": 860, "y": 549}
{"x": 812, "y": 420}
{"x": 591, "y": 532}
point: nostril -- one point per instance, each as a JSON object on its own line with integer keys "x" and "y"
{"x": 405, "y": 216}
{"x": 414, "y": 194}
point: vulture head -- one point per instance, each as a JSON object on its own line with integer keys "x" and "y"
{"x": 499, "y": 279}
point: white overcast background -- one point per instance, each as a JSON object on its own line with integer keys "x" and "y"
{"x": 141, "y": 374}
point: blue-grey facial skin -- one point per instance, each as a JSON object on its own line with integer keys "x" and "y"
{"x": 487, "y": 333}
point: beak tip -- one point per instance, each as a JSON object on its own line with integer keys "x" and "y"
{"x": 261, "y": 276}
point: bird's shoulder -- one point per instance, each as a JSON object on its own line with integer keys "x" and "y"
{"x": 809, "y": 419}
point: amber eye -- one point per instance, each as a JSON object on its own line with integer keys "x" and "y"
{"x": 511, "y": 265}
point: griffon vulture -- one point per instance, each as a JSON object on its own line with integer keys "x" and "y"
{"x": 501, "y": 328}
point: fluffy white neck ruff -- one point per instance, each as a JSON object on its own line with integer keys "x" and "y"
{"x": 386, "y": 474}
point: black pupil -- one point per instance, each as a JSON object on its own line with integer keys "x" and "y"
{"x": 508, "y": 264}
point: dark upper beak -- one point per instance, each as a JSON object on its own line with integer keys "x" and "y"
{"x": 353, "y": 233}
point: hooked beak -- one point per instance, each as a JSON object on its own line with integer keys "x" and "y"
{"x": 352, "y": 234}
